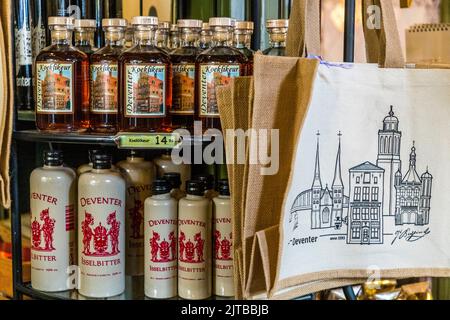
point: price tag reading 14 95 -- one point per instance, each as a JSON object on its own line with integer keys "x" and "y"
{"x": 148, "y": 141}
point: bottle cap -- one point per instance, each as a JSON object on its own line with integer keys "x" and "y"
{"x": 224, "y": 188}
{"x": 161, "y": 186}
{"x": 244, "y": 25}
{"x": 174, "y": 178}
{"x": 92, "y": 153}
{"x": 207, "y": 180}
{"x": 205, "y": 26}
{"x": 53, "y": 158}
{"x": 61, "y": 21}
{"x": 85, "y": 23}
{"x": 101, "y": 161}
{"x": 164, "y": 25}
{"x": 189, "y": 23}
{"x": 277, "y": 23}
{"x": 174, "y": 28}
{"x": 144, "y": 20}
{"x": 195, "y": 188}
{"x": 114, "y": 22}
{"x": 221, "y": 22}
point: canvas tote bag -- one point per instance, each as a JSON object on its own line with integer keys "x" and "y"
{"x": 373, "y": 209}
{"x": 6, "y": 99}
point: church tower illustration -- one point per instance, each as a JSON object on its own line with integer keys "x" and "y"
{"x": 316, "y": 191}
{"x": 389, "y": 143}
{"x": 337, "y": 188}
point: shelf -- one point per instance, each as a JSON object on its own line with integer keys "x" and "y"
{"x": 70, "y": 138}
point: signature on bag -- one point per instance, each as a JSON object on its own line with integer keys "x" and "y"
{"x": 410, "y": 235}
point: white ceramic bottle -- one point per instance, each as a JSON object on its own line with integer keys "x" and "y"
{"x": 101, "y": 230}
{"x": 161, "y": 242}
{"x": 139, "y": 176}
{"x": 52, "y": 204}
{"x": 194, "y": 244}
{"x": 223, "y": 277}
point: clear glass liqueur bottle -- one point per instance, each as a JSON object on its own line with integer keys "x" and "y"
{"x": 162, "y": 36}
{"x": 145, "y": 81}
{"x": 84, "y": 35}
{"x": 242, "y": 38}
{"x": 175, "y": 40}
{"x": 62, "y": 82}
{"x": 215, "y": 67}
{"x": 183, "y": 72}
{"x": 205, "y": 36}
{"x": 104, "y": 78}
{"x": 277, "y": 30}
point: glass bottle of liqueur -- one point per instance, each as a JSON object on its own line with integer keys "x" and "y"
{"x": 223, "y": 243}
{"x": 101, "y": 230}
{"x": 105, "y": 78}
{"x": 162, "y": 36}
{"x": 160, "y": 229}
{"x": 277, "y": 30}
{"x": 139, "y": 176}
{"x": 205, "y": 36}
{"x": 24, "y": 55}
{"x": 145, "y": 81}
{"x": 62, "y": 82}
{"x": 242, "y": 39}
{"x": 129, "y": 36}
{"x": 84, "y": 35}
{"x": 183, "y": 73}
{"x": 175, "y": 41}
{"x": 53, "y": 196}
{"x": 215, "y": 67}
{"x": 194, "y": 244}
{"x": 174, "y": 178}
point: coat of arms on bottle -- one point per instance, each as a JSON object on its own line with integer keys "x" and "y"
{"x": 43, "y": 231}
{"x": 222, "y": 247}
{"x": 137, "y": 218}
{"x": 99, "y": 241}
{"x": 191, "y": 251}
{"x": 163, "y": 250}
{"x": 379, "y": 193}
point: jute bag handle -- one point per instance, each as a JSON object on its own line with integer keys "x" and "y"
{"x": 304, "y": 29}
{"x": 382, "y": 39}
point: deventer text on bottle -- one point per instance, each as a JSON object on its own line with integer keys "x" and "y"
{"x": 216, "y": 67}
{"x": 145, "y": 81}
{"x": 62, "y": 82}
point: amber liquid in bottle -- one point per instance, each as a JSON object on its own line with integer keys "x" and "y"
{"x": 215, "y": 67}
{"x": 104, "y": 82}
{"x": 183, "y": 83}
{"x": 62, "y": 85}
{"x": 145, "y": 82}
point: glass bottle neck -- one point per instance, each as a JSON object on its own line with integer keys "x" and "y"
{"x": 222, "y": 38}
{"x": 144, "y": 37}
{"x": 115, "y": 38}
{"x": 278, "y": 40}
{"x": 189, "y": 38}
{"x": 84, "y": 38}
{"x": 242, "y": 40}
{"x": 162, "y": 39}
{"x": 61, "y": 37}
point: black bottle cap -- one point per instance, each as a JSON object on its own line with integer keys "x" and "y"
{"x": 195, "y": 188}
{"x": 224, "y": 188}
{"x": 101, "y": 161}
{"x": 161, "y": 186}
{"x": 207, "y": 180}
{"x": 174, "y": 178}
{"x": 92, "y": 153}
{"x": 53, "y": 158}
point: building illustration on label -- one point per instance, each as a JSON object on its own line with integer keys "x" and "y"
{"x": 183, "y": 89}
{"x": 163, "y": 251}
{"x": 222, "y": 247}
{"x": 45, "y": 231}
{"x": 104, "y": 89}
{"x": 189, "y": 251}
{"x": 99, "y": 236}
{"x": 54, "y": 88}
{"x": 137, "y": 218}
{"x": 375, "y": 191}
{"x": 145, "y": 91}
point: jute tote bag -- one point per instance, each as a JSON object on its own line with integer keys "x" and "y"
{"x": 363, "y": 181}
{"x": 6, "y": 98}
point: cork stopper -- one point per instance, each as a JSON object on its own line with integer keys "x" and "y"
{"x": 205, "y": 26}
{"x": 164, "y": 25}
{"x": 221, "y": 22}
{"x": 61, "y": 21}
{"x": 144, "y": 20}
{"x": 190, "y": 23}
{"x": 244, "y": 25}
{"x": 115, "y": 22}
{"x": 277, "y": 23}
{"x": 85, "y": 23}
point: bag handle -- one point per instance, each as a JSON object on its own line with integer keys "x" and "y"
{"x": 304, "y": 29}
{"x": 382, "y": 44}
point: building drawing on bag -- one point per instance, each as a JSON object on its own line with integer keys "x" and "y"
{"x": 375, "y": 191}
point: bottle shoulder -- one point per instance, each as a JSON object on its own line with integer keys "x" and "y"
{"x": 144, "y": 54}
{"x": 221, "y": 55}
{"x": 61, "y": 52}
{"x": 52, "y": 174}
{"x": 185, "y": 55}
{"x": 107, "y": 53}
{"x": 95, "y": 178}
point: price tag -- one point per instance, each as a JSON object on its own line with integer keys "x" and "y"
{"x": 148, "y": 141}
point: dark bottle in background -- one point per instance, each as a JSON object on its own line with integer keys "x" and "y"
{"x": 99, "y": 14}
{"x": 39, "y": 19}
{"x": 242, "y": 40}
{"x": 24, "y": 56}
{"x": 277, "y": 30}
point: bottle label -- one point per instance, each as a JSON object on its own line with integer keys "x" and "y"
{"x": 104, "y": 88}
{"x": 54, "y": 87}
{"x": 223, "y": 247}
{"x": 183, "y": 89}
{"x": 212, "y": 76}
{"x": 145, "y": 90}
{"x": 193, "y": 249}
